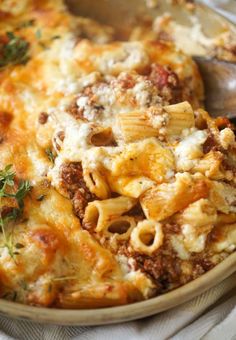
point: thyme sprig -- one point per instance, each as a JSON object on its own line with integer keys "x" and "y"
{"x": 9, "y": 189}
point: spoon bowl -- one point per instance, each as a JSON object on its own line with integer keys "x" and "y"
{"x": 219, "y": 79}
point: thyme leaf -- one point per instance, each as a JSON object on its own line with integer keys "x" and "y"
{"x": 7, "y": 185}
{"x": 50, "y": 155}
{"x": 22, "y": 191}
{"x": 13, "y": 50}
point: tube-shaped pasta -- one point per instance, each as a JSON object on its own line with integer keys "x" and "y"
{"x": 130, "y": 186}
{"x": 99, "y": 295}
{"x": 121, "y": 227}
{"x": 197, "y": 221}
{"x": 171, "y": 120}
{"x": 147, "y": 237}
{"x": 181, "y": 117}
{"x": 135, "y": 126}
{"x": 96, "y": 183}
{"x": 101, "y": 136}
{"x": 145, "y": 158}
{"x": 166, "y": 199}
{"x": 99, "y": 213}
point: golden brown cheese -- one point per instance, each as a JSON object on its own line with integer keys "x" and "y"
{"x": 119, "y": 157}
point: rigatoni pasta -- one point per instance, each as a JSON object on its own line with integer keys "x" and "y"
{"x": 147, "y": 237}
{"x": 180, "y": 117}
{"x": 135, "y": 126}
{"x": 131, "y": 186}
{"x": 99, "y": 213}
{"x": 120, "y": 227}
{"x": 96, "y": 183}
{"x": 148, "y": 158}
{"x": 163, "y": 201}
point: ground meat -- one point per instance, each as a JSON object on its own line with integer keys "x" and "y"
{"x": 73, "y": 182}
{"x": 172, "y": 228}
{"x": 126, "y": 81}
{"x": 202, "y": 262}
{"x": 210, "y": 144}
{"x": 163, "y": 269}
{"x": 43, "y": 118}
{"x": 80, "y": 200}
{"x": 72, "y": 177}
{"x": 167, "y": 83}
{"x": 75, "y": 111}
{"x": 5, "y": 118}
{"x": 93, "y": 107}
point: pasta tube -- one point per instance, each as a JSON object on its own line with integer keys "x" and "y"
{"x": 96, "y": 183}
{"x": 166, "y": 199}
{"x": 99, "y": 213}
{"x": 121, "y": 227}
{"x": 181, "y": 117}
{"x": 147, "y": 237}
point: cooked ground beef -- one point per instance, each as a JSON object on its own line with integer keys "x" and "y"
{"x": 43, "y": 118}
{"x": 73, "y": 182}
{"x": 167, "y": 83}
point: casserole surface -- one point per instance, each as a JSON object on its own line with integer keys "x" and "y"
{"x": 121, "y": 187}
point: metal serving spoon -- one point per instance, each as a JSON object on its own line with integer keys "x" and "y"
{"x": 219, "y": 79}
{"x": 219, "y": 76}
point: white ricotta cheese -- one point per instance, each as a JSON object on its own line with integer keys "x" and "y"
{"x": 189, "y": 150}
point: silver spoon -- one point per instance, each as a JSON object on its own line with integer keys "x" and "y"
{"x": 219, "y": 79}
{"x": 219, "y": 76}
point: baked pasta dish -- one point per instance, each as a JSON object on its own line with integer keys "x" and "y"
{"x": 115, "y": 184}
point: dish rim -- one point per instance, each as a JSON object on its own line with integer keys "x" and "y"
{"x": 125, "y": 313}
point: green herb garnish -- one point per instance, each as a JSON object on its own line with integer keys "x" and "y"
{"x": 13, "y": 50}
{"x": 50, "y": 155}
{"x": 23, "y": 189}
{"x": 8, "y": 188}
{"x": 6, "y": 179}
